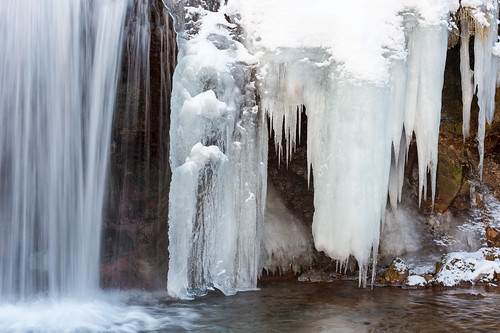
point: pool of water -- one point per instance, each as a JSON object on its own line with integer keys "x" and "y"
{"x": 276, "y": 307}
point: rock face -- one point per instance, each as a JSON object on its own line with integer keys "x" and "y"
{"x": 135, "y": 251}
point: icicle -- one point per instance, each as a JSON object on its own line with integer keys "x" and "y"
{"x": 485, "y": 68}
{"x": 465, "y": 71}
{"x": 427, "y": 55}
{"x": 356, "y": 107}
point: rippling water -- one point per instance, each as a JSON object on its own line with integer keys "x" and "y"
{"x": 277, "y": 307}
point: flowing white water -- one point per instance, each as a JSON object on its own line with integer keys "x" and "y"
{"x": 58, "y": 76}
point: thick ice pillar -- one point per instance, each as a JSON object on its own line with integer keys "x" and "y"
{"x": 218, "y": 157}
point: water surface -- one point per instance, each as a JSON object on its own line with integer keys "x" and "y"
{"x": 277, "y": 307}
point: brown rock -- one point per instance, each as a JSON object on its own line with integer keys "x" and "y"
{"x": 449, "y": 181}
{"x": 492, "y": 237}
{"x": 398, "y": 272}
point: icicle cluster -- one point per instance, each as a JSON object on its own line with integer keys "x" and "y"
{"x": 218, "y": 153}
{"x": 366, "y": 92}
{"x": 479, "y": 18}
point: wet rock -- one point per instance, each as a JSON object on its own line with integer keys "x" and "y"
{"x": 319, "y": 276}
{"x": 449, "y": 181}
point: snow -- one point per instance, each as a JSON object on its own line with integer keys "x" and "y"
{"x": 399, "y": 265}
{"x": 416, "y": 280}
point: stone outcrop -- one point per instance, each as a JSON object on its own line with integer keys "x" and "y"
{"x": 492, "y": 237}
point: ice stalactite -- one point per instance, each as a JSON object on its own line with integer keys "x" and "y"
{"x": 427, "y": 46}
{"x": 465, "y": 71}
{"x": 218, "y": 143}
{"x": 366, "y": 89}
{"x": 58, "y": 82}
{"x": 481, "y": 19}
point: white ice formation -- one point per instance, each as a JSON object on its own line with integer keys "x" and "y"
{"x": 218, "y": 154}
{"x": 480, "y": 18}
{"x": 369, "y": 77}
{"x": 366, "y": 89}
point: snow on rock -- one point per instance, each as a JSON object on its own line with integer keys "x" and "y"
{"x": 416, "y": 280}
{"x": 398, "y": 271}
{"x": 471, "y": 267}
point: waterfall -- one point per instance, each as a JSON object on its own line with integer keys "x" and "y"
{"x": 58, "y": 76}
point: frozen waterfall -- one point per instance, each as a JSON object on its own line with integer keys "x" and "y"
{"x": 218, "y": 156}
{"x": 368, "y": 90}
{"x": 58, "y": 73}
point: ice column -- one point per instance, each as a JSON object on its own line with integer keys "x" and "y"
{"x": 218, "y": 157}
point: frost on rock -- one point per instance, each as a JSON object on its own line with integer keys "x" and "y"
{"x": 366, "y": 89}
{"x": 479, "y": 17}
{"x": 218, "y": 151}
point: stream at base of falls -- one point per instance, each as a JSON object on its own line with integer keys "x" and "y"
{"x": 276, "y": 307}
